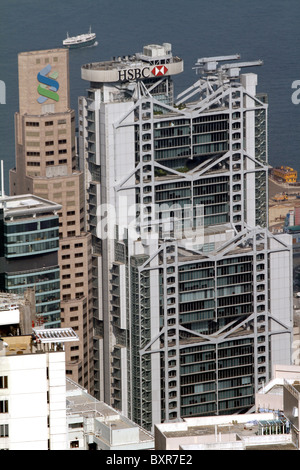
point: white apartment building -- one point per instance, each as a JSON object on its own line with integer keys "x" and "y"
{"x": 33, "y": 390}
{"x": 41, "y": 409}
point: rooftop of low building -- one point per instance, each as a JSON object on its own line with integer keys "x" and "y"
{"x": 14, "y": 206}
{"x": 40, "y": 341}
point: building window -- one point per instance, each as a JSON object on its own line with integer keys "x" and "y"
{"x": 74, "y": 444}
{"x": 4, "y": 430}
{"x": 66, "y": 266}
{"x": 3, "y": 406}
{"x": 32, "y": 124}
{"x": 3, "y": 381}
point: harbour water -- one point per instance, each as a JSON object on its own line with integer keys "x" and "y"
{"x": 267, "y": 30}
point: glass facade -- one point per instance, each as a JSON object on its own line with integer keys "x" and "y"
{"x": 46, "y": 284}
{"x": 27, "y": 238}
{"x": 29, "y": 247}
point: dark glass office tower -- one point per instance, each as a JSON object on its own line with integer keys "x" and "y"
{"x": 29, "y": 228}
{"x": 192, "y": 294}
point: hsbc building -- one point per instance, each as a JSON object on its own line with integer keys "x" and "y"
{"x": 154, "y": 62}
{"x": 187, "y": 295}
{"x": 124, "y": 94}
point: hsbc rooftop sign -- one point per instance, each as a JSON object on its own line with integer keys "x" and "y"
{"x": 140, "y": 73}
{"x": 114, "y": 73}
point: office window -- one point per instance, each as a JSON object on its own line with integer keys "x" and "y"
{"x": 32, "y": 124}
{"x": 3, "y": 406}
{"x": 4, "y": 430}
{"x": 3, "y": 381}
{"x": 33, "y": 154}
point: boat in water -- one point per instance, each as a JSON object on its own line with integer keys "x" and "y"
{"x": 82, "y": 40}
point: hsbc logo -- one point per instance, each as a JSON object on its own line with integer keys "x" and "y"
{"x": 136, "y": 74}
{"x": 159, "y": 70}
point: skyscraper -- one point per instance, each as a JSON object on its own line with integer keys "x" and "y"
{"x": 46, "y": 165}
{"x": 29, "y": 253}
{"x": 191, "y": 307}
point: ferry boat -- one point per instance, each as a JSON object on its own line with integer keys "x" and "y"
{"x": 82, "y": 40}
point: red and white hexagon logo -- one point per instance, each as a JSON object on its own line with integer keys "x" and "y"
{"x": 159, "y": 70}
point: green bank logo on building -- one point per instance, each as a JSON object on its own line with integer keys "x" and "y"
{"x": 48, "y": 85}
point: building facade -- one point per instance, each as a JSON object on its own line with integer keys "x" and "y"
{"x": 46, "y": 166}
{"x": 192, "y": 294}
{"x": 33, "y": 390}
{"x": 29, "y": 228}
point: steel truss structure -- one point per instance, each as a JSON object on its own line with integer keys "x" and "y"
{"x": 192, "y": 327}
